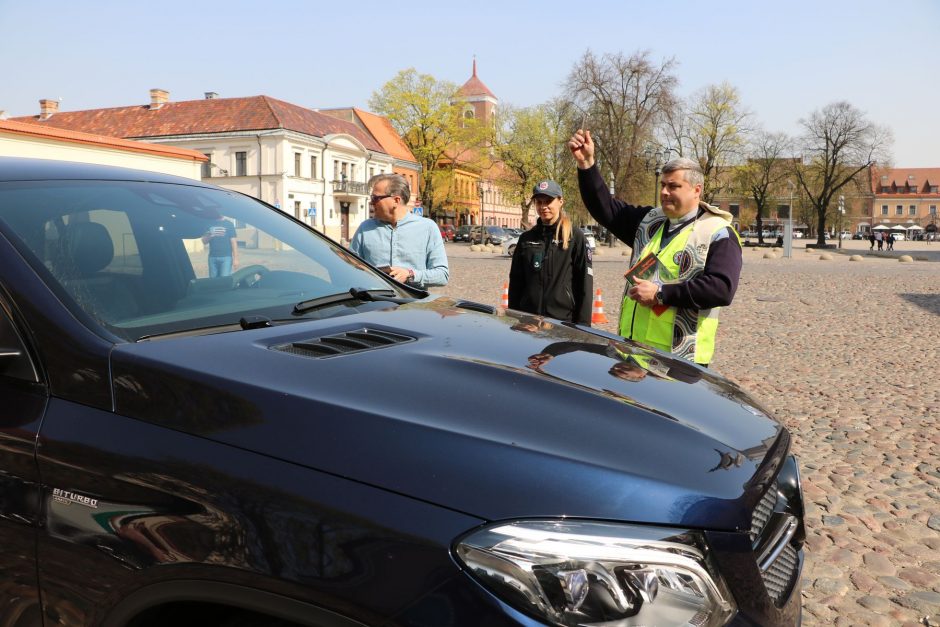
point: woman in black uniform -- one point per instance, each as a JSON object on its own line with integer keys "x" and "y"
{"x": 551, "y": 273}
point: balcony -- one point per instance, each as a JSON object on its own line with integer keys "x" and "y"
{"x": 349, "y": 189}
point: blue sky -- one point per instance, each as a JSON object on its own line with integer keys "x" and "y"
{"x": 786, "y": 58}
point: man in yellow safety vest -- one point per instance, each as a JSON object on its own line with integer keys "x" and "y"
{"x": 686, "y": 253}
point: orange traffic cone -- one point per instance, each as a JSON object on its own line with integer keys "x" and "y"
{"x": 504, "y": 299}
{"x": 597, "y": 312}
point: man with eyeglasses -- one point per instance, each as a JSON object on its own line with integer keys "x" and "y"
{"x": 406, "y": 246}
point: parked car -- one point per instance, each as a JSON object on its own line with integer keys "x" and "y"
{"x": 494, "y": 235}
{"x": 239, "y": 450}
{"x": 462, "y": 234}
{"x": 858, "y": 235}
{"x": 447, "y": 232}
{"x": 509, "y": 246}
{"x": 589, "y": 236}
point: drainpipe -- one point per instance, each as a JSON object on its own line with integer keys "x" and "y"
{"x": 260, "y": 179}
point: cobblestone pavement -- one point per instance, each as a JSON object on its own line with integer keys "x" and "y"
{"x": 847, "y": 355}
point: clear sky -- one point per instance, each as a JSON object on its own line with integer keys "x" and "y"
{"x": 787, "y": 58}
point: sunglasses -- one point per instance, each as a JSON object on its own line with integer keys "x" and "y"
{"x": 374, "y": 198}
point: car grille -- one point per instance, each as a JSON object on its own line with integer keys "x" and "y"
{"x": 779, "y": 576}
{"x": 762, "y": 513}
{"x": 776, "y": 538}
{"x": 344, "y": 343}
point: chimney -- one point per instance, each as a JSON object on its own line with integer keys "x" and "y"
{"x": 158, "y": 98}
{"x": 211, "y": 95}
{"x": 47, "y": 107}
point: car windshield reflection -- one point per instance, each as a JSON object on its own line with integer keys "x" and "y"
{"x": 146, "y": 259}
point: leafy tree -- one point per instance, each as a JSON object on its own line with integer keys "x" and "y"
{"x": 839, "y": 146}
{"x": 621, "y": 100}
{"x": 531, "y": 145}
{"x": 427, "y": 113}
{"x": 711, "y": 127}
{"x": 764, "y": 175}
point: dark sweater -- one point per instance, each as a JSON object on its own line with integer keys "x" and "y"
{"x": 714, "y": 287}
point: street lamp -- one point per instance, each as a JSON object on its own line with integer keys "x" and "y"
{"x": 655, "y": 160}
{"x": 841, "y": 215}
{"x": 480, "y": 189}
{"x": 788, "y": 239}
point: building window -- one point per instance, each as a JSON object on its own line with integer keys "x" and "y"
{"x": 899, "y": 210}
{"x": 371, "y": 173}
{"x": 352, "y": 171}
{"x": 912, "y": 210}
{"x": 296, "y": 164}
{"x": 313, "y": 166}
{"x": 885, "y": 189}
{"x": 884, "y": 210}
{"x": 934, "y": 189}
{"x": 335, "y": 170}
{"x": 735, "y": 210}
{"x": 933, "y": 210}
{"x": 241, "y": 163}
{"x": 207, "y": 166}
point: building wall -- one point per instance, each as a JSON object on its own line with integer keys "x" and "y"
{"x": 313, "y": 197}
{"x": 18, "y": 145}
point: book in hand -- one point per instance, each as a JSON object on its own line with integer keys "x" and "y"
{"x": 647, "y": 269}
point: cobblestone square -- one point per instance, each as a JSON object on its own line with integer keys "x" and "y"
{"x": 847, "y": 355}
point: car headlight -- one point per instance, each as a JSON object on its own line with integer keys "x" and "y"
{"x": 590, "y": 573}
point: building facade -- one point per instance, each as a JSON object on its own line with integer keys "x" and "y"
{"x": 905, "y": 197}
{"x": 310, "y": 165}
{"x": 18, "y": 139}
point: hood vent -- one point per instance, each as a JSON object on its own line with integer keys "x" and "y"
{"x": 472, "y": 306}
{"x": 344, "y": 343}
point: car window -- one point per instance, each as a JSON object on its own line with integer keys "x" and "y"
{"x": 14, "y": 359}
{"x": 151, "y": 258}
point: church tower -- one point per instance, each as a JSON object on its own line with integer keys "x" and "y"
{"x": 481, "y": 102}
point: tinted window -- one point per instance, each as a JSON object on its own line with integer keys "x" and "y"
{"x": 135, "y": 257}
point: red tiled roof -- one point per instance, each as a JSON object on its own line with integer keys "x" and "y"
{"x": 899, "y": 177}
{"x": 382, "y": 129}
{"x": 215, "y": 115}
{"x": 34, "y": 130}
{"x": 474, "y": 86}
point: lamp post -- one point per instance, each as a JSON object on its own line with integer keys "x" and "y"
{"x": 841, "y": 215}
{"x": 788, "y": 235}
{"x": 480, "y": 189}
{"x": 655, "y": 160}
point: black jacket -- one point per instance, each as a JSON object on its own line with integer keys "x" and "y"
{"x": 547, "y": 280}
{"x": 714, "y": 287}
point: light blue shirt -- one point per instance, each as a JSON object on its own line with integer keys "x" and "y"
{"x": 414, "y": 243}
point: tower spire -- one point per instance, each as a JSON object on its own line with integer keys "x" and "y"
{"x": 474, "y": 65}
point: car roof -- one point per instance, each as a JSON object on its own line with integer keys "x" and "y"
{"x": 22, "y": 169}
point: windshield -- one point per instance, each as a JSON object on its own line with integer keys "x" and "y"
{"x": 143, "y": 258}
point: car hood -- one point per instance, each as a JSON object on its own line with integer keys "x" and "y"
{"x": 498, "y": 415}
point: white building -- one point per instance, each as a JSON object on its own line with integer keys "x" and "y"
{"x": 311, "y": 165}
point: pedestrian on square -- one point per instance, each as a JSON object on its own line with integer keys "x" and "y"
{"x": 879, "y": 239}
{"x": 871, "y": 240}
{"x": 890, "y": 240}
{"x": 551, "y": 272}
{"x": 406, "y": 246}
{"x": 223, "y": 248}
{"x": 696, "y": 253}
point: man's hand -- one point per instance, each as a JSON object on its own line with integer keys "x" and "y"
{"x": 234, "y": 263}
{"x": 582, "y": 147}
{"x": 399, "y": 274}
{"x": 538, "y": 360}
{"x": 644, "y": 292}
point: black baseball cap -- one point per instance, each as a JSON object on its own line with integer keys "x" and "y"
{"x": 547, "y": 187}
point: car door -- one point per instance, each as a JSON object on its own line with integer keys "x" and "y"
{"x": 21, "y": 412}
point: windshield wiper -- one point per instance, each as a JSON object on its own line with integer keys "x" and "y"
{"x": 355, "y": 293}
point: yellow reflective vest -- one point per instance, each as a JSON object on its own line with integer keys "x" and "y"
{"x": 687, "y": 333}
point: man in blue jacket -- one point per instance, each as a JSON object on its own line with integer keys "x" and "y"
{"x": 408, "y": 247}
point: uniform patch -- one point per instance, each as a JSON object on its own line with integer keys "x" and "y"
{"x": 543, "y": 185}
{"x": 683, "y": 259}
{"x": 653, "y": 227}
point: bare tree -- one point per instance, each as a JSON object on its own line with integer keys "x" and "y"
{"x": 765, "y": 172}
{"x": 839, "y": 145}
{"x": 622, "y": 100}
